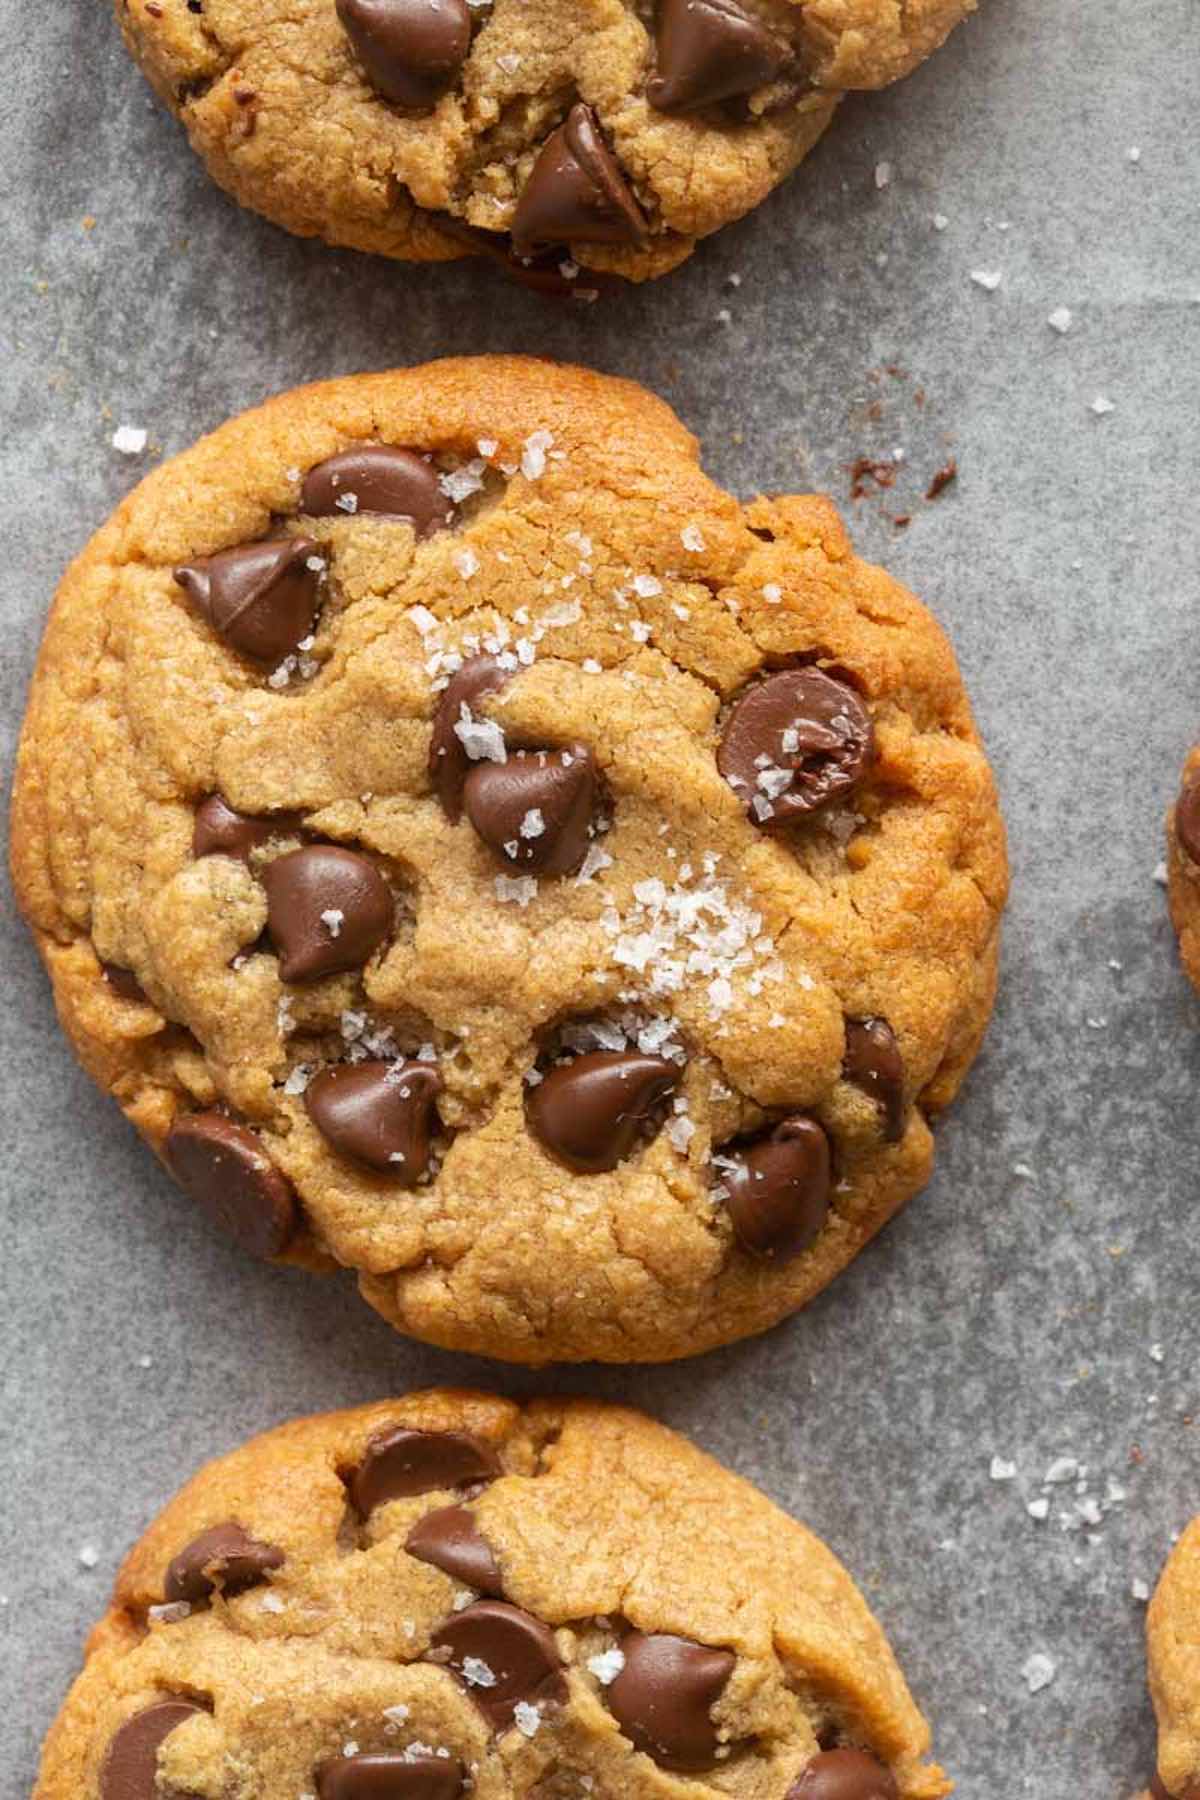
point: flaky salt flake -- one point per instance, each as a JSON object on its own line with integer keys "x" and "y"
{"x": 89, "y": 1556}
{"x": 1038, "y": 1671}
{"x": 1102, "y": 406}
{"x": 772, "y": 593}
{"x": 298, "y": 1079}
{"x": 533, "y": 825}
{"x": 487, "y": 446}
{"x": 883, "y": 174}
{"x": 1135, "y": 154}
{"x": 1060, "y": 320}
{"x": 595, "y": 860}
{"x": 423, "y": 619}
{"x": 333, "y": 918}
{"x": 171, "y": 1612}
{"x": 1160, "y": 874}
{"x": 467, "y": 563}
{"x": 270, "y": 1603}
{"x": 1039, "y": 1509}
{"x": 1139, "y": 1589}
{"x": 509, "y": 61}
{"x": 520, "y": 889}
{"x": 692, "y": 538}
{"x": 459, "y": 484}
{"x": 1000, "y": 1470}
{"x": 526, "y": 1718}
{"x": 987, "y": 278}
{"x": 482, "y": 739}
{"x": 1156, "y": 1353}
{"x": 639, "y": 631}
{"x": 347, "y": 503}
{"x": 680, "y": 1131}
{"x": 646, "y": 586}
{"x": 607, "y": 1666}
{"x": 533, "y": 454}
{"x": 939, "y": 221}
{"x": 476, "y": 1672}
{"x": 1063, "y": 1468}
{"x": 130, "y": 440}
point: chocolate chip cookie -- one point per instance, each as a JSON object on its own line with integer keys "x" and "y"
{"x": 449, "y": 1594}
{"x": 552, "y": 135}
{"x": 1183, "y": 866}
{"x": 1173, "y": 1658}
{"x": 475, "y": 850}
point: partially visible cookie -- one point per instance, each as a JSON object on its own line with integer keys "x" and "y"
{"x": 1183, "y": 866}
{"x": 1173, "y": 1658}
{"x": 476, "y": 850}
{"x": 449, "y": 1594}
{"x": 593, "y": 134}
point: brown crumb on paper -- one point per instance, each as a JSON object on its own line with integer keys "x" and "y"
{"x": 941, "y": 481}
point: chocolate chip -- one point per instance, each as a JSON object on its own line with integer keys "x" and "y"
{"x": 130, "y": 1768}
{"x": 402, "y": 1462}
{"x": 710, "y": 50}
{"x": 873, "y": 1063}
{"x": 449, "y": 1539}
{"x": 124, "y": 982}
{"x": 663, "y": 1697}
{"x": 378, "y": 1113}
{"x": 226, "y": 1171}
{"x": 391, "y": 1775}
{"x": 844, "y": 1775}
{"x": 778, "y": 1194}
{"x": 515, "y": 1649}
{"x": 590, "y": 1111}
{"x": 411, "y": 49}
{"x": 536, "y": 809}
{"x": 224, "y": 1557}
{"x": 220, "y": 831}
{"x": 398, "y": 484}
{"x": 1187, "y": 818}
{"x": 576, "y": 192}
{"x": 448, "y": 760}
{"x": 793, "y": 743}
{"x": 328, "y": 909}
{"x": 261, "y": 598}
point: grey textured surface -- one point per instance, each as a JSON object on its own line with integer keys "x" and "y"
{"x": 1004, "y": 1314}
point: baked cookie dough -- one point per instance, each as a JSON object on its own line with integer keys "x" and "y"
{"x": 554, "y": 135}
{"x": 1173, "y": 1658}
{"x": 1183, "y": 866}
{"x": 476, "y": 850}
{"x": 450, "y": 1594}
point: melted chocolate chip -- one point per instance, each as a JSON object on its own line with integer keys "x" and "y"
{"x": 449, "y": 763}
{"x": 778, "y": 1195}
{"x": 793, "y": 743}
{"x": 396, "y": 484}
{"x": 220, "y": 831}
{"x": 226, "y": 1557}
{"x": 328, "y": 909}
{"x": 844, "y": 1775}
{"x": 576, "y": 192}
{"x": 450, "y": 1539}
{"x": 1187, "y": 818}
{"x": 663, "y": 1697}
{"x": 261, "y": 598}
{"x": 548, "y": 274}
{"x": 225, "y": 1170}
{"x": 710, "y": 50}
{"x": 378, "y": 1113}
{"x": 535, "y": 810}
{"x": 402, "y": 1462}
{"x": 130, "y": 1767}
{"x": 411, "y": 49}
{"x": 123, "y": 982}
{"x": 590, "y": 1112}
{"x": 516, "y": 1649}
{"x": 391, "y": 1775}
{"x": 873, "y": 1063}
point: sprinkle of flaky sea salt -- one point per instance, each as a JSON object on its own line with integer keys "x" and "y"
{"x": 271, "y": 1603}
{"x": 1038, "y": 1671}
{"x": 595, "y": 860}
{"x": 397, "y": 1714}
{"x": 646, "y": 586}
{"x": 772, "y": 593}
{"x": 482, "y": 739}
{"x": 459, "y": 484}
{"x": 939, "y": 221}
{"x": 488, "y": 446}
{"x": 1139, "y": 1589}
{"x": 533, "y": 454}
{"x": 130, "y": 440}
{"x": 526, "y": 1718}
{"x": 466, "y": 562}
{"x": 347, "y": 503}
{"x": 518, "y": 888}
{"x": 1000, "y": 1470}
{"x": 607, "y": 1666}
{"x": 1039, "y": 1509}
{"x": 692, "y": 538}
{"x": 1063, "y": 1468}
{"x": 987, "y": 278}
{"x": 1060, "y": 319}
{"x": 533, "y": 825}
{"x": 170, "y": 1613}
{"x": 1102, "y": 406}
{"x": 89, "y": 1556}
{"x": 333, "y": 919}
{"x": 423, "y": 619}
{"x": 298, "y": 1079}
{"x": 476, "y": 1672}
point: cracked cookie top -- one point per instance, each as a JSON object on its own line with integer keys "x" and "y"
{"x": 552, "y": 135}
{"x": 476, "y": 850}
{"x": 449, "y": 1594}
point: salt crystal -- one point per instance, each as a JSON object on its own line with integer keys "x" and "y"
{"x": 646, "y": 586}
{"x": 1139, "y": 1589}
{"x": 130, "y": 440}
{"x": 999, "y": 1470}
{"x": 467, "y": 563}
{"x": 89, "y": 1556}
{"x": 692, "y": 538}
{"x": 940, "y": 221}
{"x": 533, "y": 824}
{"x": 883, "y": 174}
{"x": 987, "y": 278}
{"x": 476, "y": 1672}
{"x": 772, "y": 593}
{"x": 1060, "y": 319}
{"x": 1102, "y": 406}
{"x": 482, "y": 739}
{"x": 533, "y": 454}
{"x": 518, "y": 888}
{"x": 526, "y": 1718}
{"x": 1063, "y": 1468}
{"x": 1039, "y": 1509}
{"x": 347, "y": 503}
{"x": 607, "y": 1666}
{"x": 333, "y": 919}
{"x": 1038, "y": 1670}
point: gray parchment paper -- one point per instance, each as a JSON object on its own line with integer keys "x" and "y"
{"x": 1039, "y": 1301}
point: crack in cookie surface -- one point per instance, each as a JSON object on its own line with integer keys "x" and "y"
{"x": 373, "y": 122}
{"x": 618, "y": 1650}
{"x": 628, "y": 608}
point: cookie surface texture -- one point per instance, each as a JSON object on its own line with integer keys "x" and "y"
{"x": 609, "y": 135}
{"x": 574, "y": 930}
{"x": 624, "y": 1654}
